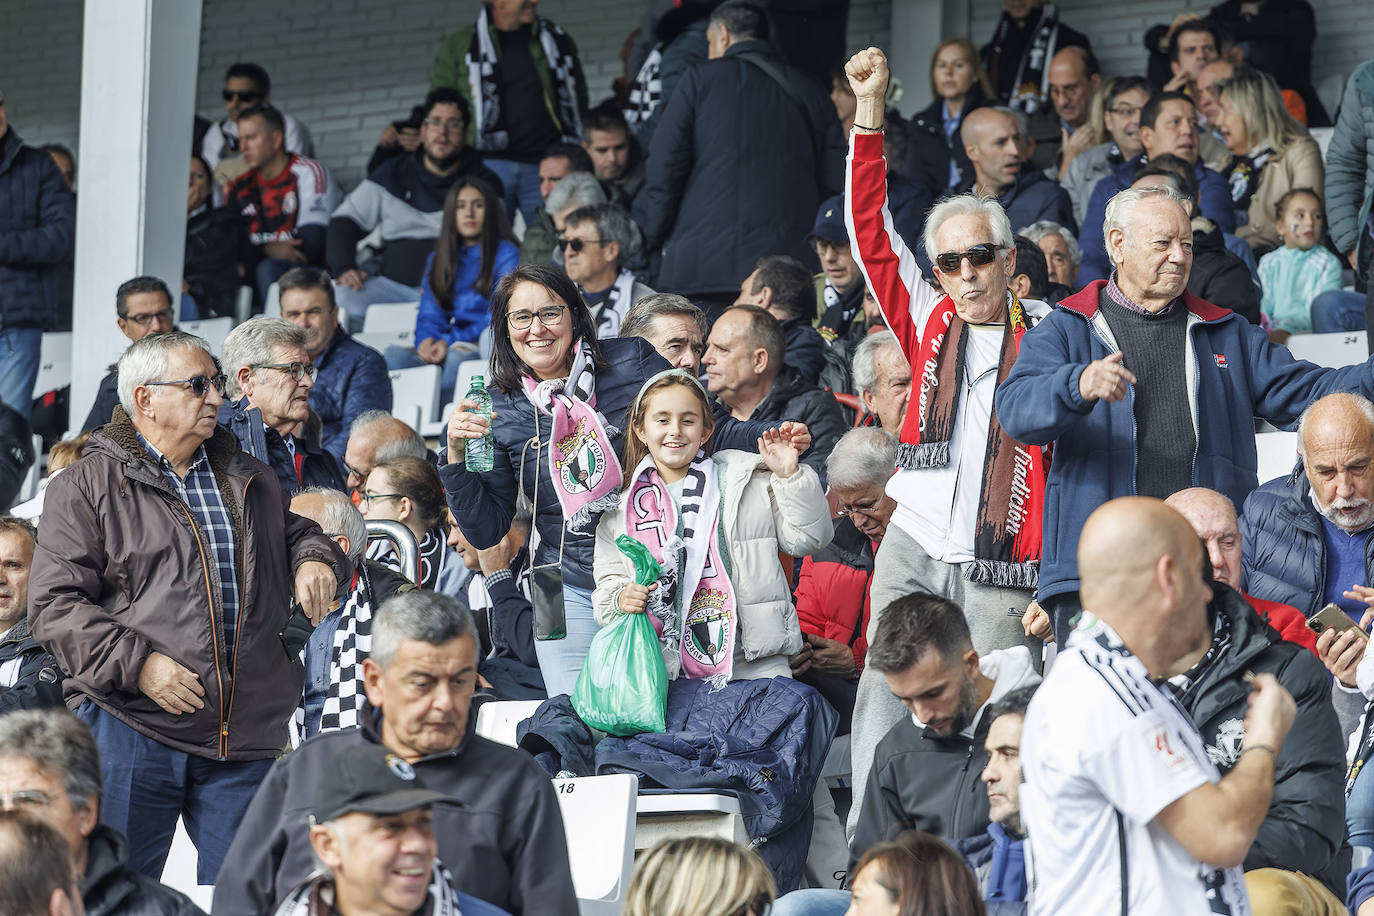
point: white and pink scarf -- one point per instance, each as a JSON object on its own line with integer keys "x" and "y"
{"x": 585, "y": 472}
{"x": 694, "y": 605}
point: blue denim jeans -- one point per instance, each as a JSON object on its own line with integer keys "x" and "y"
{"x": 20, "y": 352}
{"x": 354, "y": 302}
{"x": 148, "y": 785}
{"x": 1337, "y": 310}
{"x": 812, "y": 902}
{"x": 521, "y": 180}
{"x": 560, "y": 660}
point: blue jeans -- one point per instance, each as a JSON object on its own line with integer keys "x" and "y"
{"x": 1359, "y": 809}
{"x": 406, "y": 358}
{"x": 354, "y": 302}
{"x": 1337, "y": 310}
{"x": 560, "y": 660}
{"x": 812, "y": 902}
{"x": 269, "y": 271}
{"x": 521, "y": 180}
{"x": 20, "y": 352}
{"x": 148, "y": 785}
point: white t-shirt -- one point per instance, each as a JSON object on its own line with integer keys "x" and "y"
{"x": 1104, "y": 750}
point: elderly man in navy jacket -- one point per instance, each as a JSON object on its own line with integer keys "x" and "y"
{"x": 1144, "y": 389}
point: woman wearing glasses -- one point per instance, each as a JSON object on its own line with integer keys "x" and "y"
{"x": 560, "y": 398}
{"x": 407, "y": 490}
{"x": 474, "y": 251}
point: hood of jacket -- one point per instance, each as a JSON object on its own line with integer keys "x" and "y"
{"x": 1008, "y": 669}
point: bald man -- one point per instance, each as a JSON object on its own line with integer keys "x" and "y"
{"x": 1074, "y": 77}
{"x": 1125, "y": 809}
{"x": 995, "y": 140}
{"x": 1213, "y": 517}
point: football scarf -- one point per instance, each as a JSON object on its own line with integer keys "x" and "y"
{"x": 484, "y": 82}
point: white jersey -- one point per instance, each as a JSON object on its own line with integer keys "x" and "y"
{"x": 1104, "y": 750}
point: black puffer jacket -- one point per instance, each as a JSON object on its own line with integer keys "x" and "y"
{"x": 37, "y": 233}
{"x": 1305, "y": 827}
{"x": 795, "y": 398}
{"x": 927, "y": 157}
{"x": 1219, "y": 276}
{"x": 109, "y": 888}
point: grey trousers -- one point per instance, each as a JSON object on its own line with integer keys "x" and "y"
{"x": 900, "y": 569}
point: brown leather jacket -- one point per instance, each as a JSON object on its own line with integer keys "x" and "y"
{"x": 120, "y": 571}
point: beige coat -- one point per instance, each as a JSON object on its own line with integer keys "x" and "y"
{"x": 764, "y": 515}
{"x": 1300, "y": 166}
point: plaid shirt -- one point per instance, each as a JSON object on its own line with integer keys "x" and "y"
{"x": 202, "y": 497}
{"x": 1126, "y": 302}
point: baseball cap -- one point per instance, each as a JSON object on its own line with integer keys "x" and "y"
{"x": 371, "y": 779}
{"x": 830, "y": 221}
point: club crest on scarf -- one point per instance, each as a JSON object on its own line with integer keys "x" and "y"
{"x": 580, "y": 459}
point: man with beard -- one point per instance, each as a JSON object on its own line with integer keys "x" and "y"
{"x": 925, "y": 773}
{"x": 405, "y": 197}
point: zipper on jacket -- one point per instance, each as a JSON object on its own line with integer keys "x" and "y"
{"x": 214, "y": 635}
{"x": 238, "y": 622}
{"x": 1190, "y": 345}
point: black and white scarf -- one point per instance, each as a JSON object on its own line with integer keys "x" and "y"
{"x": 484, "y": 82}
{"x": 1031, "y": 89}
{"x": 316, "y": 896}
{"x": 432, "y": 558}
{"x": 1243, "y": 176}
{"x": 611, "y": 313}
{"x": 646, "y": 92}
{"x": 352, "y": 644}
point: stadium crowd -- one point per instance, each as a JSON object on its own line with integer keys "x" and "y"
{"x": 941, "y": 432}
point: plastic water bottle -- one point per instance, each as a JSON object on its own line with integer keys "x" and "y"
{"x": 480, "y": 452}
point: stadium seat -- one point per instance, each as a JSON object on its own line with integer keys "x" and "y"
{"x": 180, "y": 871}
{"x": 498, "y": 720}
{"x": 415, "y": 394}
{"x": 1343, "y": 348}
{"x": 392, "y": 316}
{"x": 599, "y": 820}
{"x": 466, "y": 370}
{"x": 54, "y": 363}
{"x": 214, "y": 330}
{"x": 272, "y": 307}
{"x": 243, "y": 305}
{"x": 1277, "y": 453}
{"x": 380, "y": 340}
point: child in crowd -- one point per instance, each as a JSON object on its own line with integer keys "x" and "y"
{"x": 474, "y": 251}
{"x": 1292, "y": 276}
{"x": 716, "y": 524}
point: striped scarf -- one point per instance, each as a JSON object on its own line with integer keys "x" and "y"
{"x": 484, "y": 82}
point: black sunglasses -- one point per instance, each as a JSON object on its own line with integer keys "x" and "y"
{"x": 232, "y": 94}
{"x": 978, "y": 256}
{"x": 577, "y": 244}
{"x": 198, "y": 384}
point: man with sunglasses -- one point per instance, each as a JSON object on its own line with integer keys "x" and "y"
{"x": 267, "y": 365}
{"x": 596, "y": 242}
{"x": 143, "y": 306}
{"x": 247, "y": 85}
{"x": 967, "y": 522}
{"x": 404, "y": 196}
{"x": 165, "y": 576}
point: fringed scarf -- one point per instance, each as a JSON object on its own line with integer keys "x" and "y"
{"x": 345, "y": 699}
{"x": 611, "y": 312}
{"x": 316, "y": 896}
{"x": 484, "y": 82}
{"x": 1007, "y": 536}
{"x": 1031, "y": 90}
{"x": 646, "y": 92}
{"x": 694, "y": 605}
{"x": 1243, "y": 175}
{"x": 583, "y": 466}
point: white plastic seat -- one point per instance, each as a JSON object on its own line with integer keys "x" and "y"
{"x": 391, "y": 316}
{"x": 1277, "y": 452}
{"x": 214, "y": 330}
{"x": 497, "y": 720}
{"x": 599, "y": 819}
{"x": 380, "y": 340}
{"x": 1342, "y": 348}
{"x": 271, "y": 307}
{"x": 54, "y": 362}
{"x": 180, "y": 871}
{"x": 415, "y": 394}
{"x": 466, "y": 370}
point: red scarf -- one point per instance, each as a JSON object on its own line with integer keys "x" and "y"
{"x": 1008, "y": 533}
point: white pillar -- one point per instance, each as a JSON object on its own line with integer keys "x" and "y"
{"x": 139, "y": 60}
{"x": 917, "y": 27}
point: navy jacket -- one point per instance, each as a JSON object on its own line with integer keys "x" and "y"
{"x": 1285, "y": 550}
{"x": 929, "y": 152}
{"x": 39, "y": 683}
{"x": 318, "y": 467}
{"x": 1215, "y": 201}
{"x": 352, "y": 379}
{"x": 1031, "y": 198}
{"x": 805, "y": 348}
{"x": 106, "y": 400}
{"x": 998, "y": 861}
{"x": 1235, "y": 374}
{"x": 37, "y": 233}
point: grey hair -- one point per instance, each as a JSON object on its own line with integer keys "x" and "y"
{"x": 251, "y": 343}
{"x": 863, "y": 457}
{"x": 1038, "y": 230}
{"x": 1365, "y": 406}
{"x": 613, "y": 224}
{"x": 407, "y": 444}
{"x": 146, "y": 361}
{"x": 970, "y": 205}
{"x": 366, "y": 419}
{"x": 865, "y": 365}
{"x": 575, "y": 189}
{"x": 59, "y": 743}
{"x": 340, "y": 517}
{"x": 642, "y": 314}
{"x": 1121, "y": 207}
{"x": 432, "y": 618}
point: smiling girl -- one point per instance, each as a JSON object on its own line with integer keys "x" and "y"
{"x": 716, "y": 524}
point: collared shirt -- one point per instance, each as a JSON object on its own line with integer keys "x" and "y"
{"x": 200, "y": 493}
{"x": 1126, "y": 302}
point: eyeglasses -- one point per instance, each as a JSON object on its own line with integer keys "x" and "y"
{"x": 198, "y": 384}
{"x": 549, "y": 316}
{"x": 820, "y": 245}
{"x": 147, "y": 318}
{"x": 231, "y": 95}
{"x": 366, "y": 498}
{"x": 978, "y": 256}
{"x": 869, "y": 511}
{"x": 295, "y": 370}
{"x": 576, "y": 244}
{"x": 450, "y": 124}
{"x": 1125, "y": 111}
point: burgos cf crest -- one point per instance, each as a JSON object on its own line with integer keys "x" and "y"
{"x": 707, "y": 627}
{"x": 581, "y": 461}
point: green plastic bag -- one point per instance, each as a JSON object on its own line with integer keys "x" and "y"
{"x": 623, "y": 686}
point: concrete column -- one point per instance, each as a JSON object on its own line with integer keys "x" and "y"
{"x": 139, "y": 61}
{"x": 917, "y": 27}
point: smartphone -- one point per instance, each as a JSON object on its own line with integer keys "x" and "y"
{"x": 1332, "y": 617}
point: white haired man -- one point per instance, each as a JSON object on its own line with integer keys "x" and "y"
{"x": 967, "y": 522}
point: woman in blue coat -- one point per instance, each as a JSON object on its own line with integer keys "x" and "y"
{"x": 474, "y": 251}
